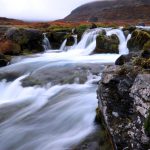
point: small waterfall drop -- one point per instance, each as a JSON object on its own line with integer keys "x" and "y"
{"x": 75, "y": 40}
{"x": 87, "y": 38}
{"x": 46, "y": 43}
{"x": 122, "y": 39}
{"x": 63, "y": 45}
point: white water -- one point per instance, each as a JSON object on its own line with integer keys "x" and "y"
{"x": 50, "y": 117}
{"x": 46, "y": 43}
{"x": 123, "y": 41}
{"x": 63, "y": 46}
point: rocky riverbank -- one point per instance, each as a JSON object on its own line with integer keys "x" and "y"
{"x": 124, "y": 95}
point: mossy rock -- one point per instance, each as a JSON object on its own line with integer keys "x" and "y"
{"x": 142, "y": 62}
{"x": 56, "y": 38}
{"x": 129, "y": 28}
{"x": 138, "y": 39}
{"x": 107, "y": 44}
{"x": 26, "y": 38}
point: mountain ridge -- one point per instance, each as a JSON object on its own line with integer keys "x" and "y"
{"x": 112, "y": 10}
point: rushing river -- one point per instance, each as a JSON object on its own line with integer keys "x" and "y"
{"x": 59, "y": 114}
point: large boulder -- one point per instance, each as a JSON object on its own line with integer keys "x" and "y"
{"x": 124, "y": 101}
{"x": 107, "y": 44}
{"x": 28, "y": 39}
{"x": 138, "y": 40}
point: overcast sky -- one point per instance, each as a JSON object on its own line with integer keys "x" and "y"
{"x": 38, "y": 9}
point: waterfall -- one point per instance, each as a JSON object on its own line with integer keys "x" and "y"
{"x": 87, "y": 38}
{"x": 46, "y": 43}
{"x": 122, "y": 39}
{"x": 60, "y": 113}
{"x": 75, "y": 40}
{"x": 63, "y": 45}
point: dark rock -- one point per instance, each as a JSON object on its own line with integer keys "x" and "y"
{"x": 107, "y": 44}
{"x": 28, "y": 39}
{"x": 126, "y": 33}
{"x": 130, "y": 29}
{"x": 56, "y": 38}
{"x": 126, "y": 58}
{"x": 93, "y": 26}
{"x": 3, "y": 60}
{"x": 70, "y": 40}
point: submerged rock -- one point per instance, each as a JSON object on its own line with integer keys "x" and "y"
{"x": 62, "y": 75}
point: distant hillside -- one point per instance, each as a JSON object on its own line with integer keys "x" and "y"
{"x": 112, "y": 10}
{"x": 8, "y": 21}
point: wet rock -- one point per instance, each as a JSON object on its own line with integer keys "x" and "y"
{"x": 70, "y": 40}
{"x": 62, "y": 75}
{"x": 56, "y": 38}
{"x": 126, "y": 33}
{"x": 107, "y": 44}
{"x": 3, "y": 60}
{"x": 126, "y": 58}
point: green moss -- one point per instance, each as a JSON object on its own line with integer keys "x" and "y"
{"x": 146, "y": 45}
{"x": 138, "y": 40}
{"x": 142, "y": 62}
{"x": 107, "y": 44}
{"x": 147, "y": 125}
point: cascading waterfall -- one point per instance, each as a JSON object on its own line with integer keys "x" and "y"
{"x": 46, "y": 43}
{"x": 123, "y": 40}
{"x": 75, "y": 40}
{"x": 87, "y": 38}
{"x": 63, "y": 45}
{"x": 54, "y": 116}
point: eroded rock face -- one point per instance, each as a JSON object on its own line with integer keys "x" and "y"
{"x": 124, "y": 101}
{"x": 140, "y": 91}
